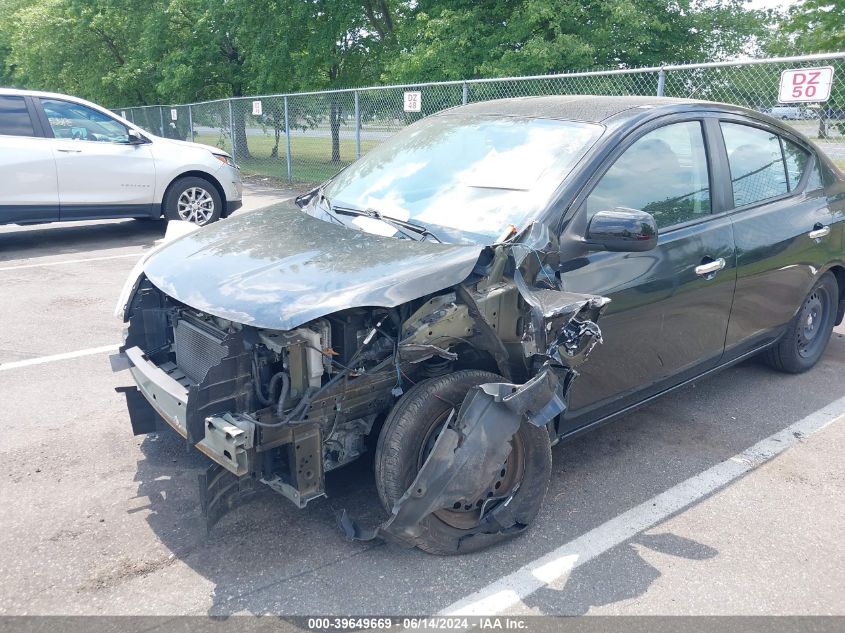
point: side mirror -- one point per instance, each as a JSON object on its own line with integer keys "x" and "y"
{"x": 622, "y": 230}
{"x": 136, "y": 138}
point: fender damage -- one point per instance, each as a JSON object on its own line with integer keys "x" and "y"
{"x": 561, "y": 331}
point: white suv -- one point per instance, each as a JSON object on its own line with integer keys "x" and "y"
{"x": 63, "y": 158}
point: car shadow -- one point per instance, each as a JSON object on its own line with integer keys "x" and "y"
{"x": 268, "y": 557}
{"x": 619, "y": 574}
{"x": 83, "y": 238}
{"x": 259, "y": 536}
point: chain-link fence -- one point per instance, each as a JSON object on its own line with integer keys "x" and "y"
{"x": 311, "y": 136}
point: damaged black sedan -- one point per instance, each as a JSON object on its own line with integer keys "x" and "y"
{"x": 436, "y": 301}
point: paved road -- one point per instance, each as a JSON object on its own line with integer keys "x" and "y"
{"x": 661, "y": 512}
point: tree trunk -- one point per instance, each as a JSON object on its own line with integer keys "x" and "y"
{"x": 277, "y": 135}
{"x": 822, "y": 124}
{"x": 239, "y": 140}
{"x": 334, "y": 124}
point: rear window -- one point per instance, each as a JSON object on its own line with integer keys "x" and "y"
{"x": 797, "y": 159}
{"x": 14, "y": 117}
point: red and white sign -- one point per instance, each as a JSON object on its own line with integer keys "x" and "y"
{"x": 805, "y": 84}
{"x": 413, "y": 101}
{"x": 256, "y": 108}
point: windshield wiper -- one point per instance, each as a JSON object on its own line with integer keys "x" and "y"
{"x": 403, "y": 226}
{"x": 325, "y": 205}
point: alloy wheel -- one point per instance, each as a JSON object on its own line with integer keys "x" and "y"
{"x": 195, "y": 205}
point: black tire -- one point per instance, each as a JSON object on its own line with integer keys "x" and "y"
{"x": 203, "y": 190}
{"x": 408, "y": 432}
{"x": 809, "y": 331}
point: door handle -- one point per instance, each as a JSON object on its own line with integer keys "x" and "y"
{"x": 710, "y": 268}
{"x": 69, "y": 151}
{"x": 819, "y": 232}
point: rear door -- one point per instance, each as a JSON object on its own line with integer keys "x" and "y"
{"x": 99, "y": 172}
{"x": 783, "y": 226}
{"x": 28, "y": 187}
{"x": 669, "y": 307}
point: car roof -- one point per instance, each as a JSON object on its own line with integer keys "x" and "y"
{"x": 35, "y": 93}
{"x": 588, "y": 108}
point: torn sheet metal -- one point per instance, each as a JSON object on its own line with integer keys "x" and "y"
{"x": 562, "y": 325}
{"x": 468, "y": 453}
{"x": 485, "y": 337}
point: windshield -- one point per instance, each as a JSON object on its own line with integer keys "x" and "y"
{"x": 474, "y": 173}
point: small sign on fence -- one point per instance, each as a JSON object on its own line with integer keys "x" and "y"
{"x": 256, "y": 108}
{"x": 805, "y": 84}
{"x": 174, "y": 113}
{"x": 123, "y": 114}
{"x": 413, "y": 101}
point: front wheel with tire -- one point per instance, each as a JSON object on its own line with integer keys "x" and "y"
{"x": 408, "y": 436}
{"x": 809, "y": 331}
{"x": 193, "y": 199}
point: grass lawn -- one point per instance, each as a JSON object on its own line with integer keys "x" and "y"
{"x": 310, "y": 156}
{"x": 840, "y": 164}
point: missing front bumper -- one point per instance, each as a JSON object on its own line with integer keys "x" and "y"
{"x": 227, "y": 439}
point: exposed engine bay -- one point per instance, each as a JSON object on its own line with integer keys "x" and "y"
{"x": 284, "y": 407}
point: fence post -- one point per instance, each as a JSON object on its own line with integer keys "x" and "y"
{"x": 232, "y": 132}
{"x": 661, "y": 82}
{"x": 191, "y": 122}
{"x": 357, "y": 127}
{"x": 161, "y": 118}
{"x": 466, "y": 93}
{"x": 287, "y": 139}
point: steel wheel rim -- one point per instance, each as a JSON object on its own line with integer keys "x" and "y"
{"x": 812, "y": 322}
{"x": 506, "y": 482}
{"x": 195, "y": 205}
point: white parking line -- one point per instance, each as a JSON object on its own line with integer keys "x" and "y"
{"x": 71, "y": 261}
{"x": 49, "y": 359}
{"x": 509, "y": 590}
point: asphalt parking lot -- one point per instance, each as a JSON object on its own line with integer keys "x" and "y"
{"x": 725, "y": 497}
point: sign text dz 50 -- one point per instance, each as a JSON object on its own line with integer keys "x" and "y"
{"x": 805, "y": 84}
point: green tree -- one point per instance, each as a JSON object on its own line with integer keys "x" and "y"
{"x": 81, "y": 47}
{"x": 461, "y": 39}
{"x": 812, "y": 26}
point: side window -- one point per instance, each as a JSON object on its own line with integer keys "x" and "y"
{"x": 796, "y": 164}
{"x": 756, "y": 163}
{"x": 663, "y": 173}
{"x": 14, "y": 117}
{"x": 796, "y": 161}
{"x": 77, "y": 122}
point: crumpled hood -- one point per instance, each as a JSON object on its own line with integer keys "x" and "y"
{"x": 278, "y": 268}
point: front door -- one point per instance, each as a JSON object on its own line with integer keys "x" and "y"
{"x": 99, "y": 172}
{"x": 670, "y": 306}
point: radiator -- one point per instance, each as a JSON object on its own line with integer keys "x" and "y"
{"x": 197, "y": 351}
